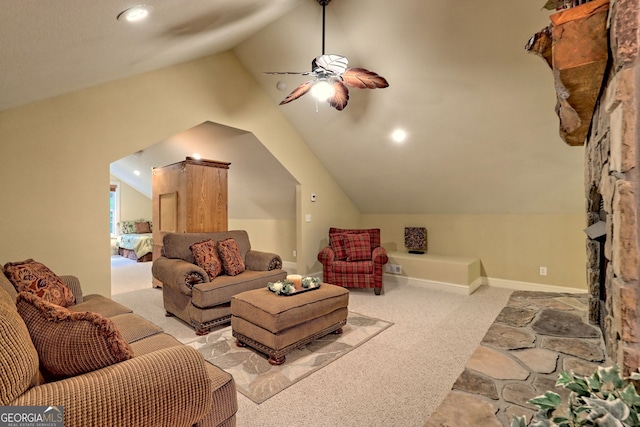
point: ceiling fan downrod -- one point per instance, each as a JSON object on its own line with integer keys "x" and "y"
{"x": 323, "y": 3}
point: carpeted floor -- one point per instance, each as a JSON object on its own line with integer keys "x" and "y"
{"x": 398, "y": 378}
{"x": 258, "y": 380}
{"x": 128, "y": 275}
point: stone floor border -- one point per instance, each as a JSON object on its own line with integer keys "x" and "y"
{"x": 536, "y": 336}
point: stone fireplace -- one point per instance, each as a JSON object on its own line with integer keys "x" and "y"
{"x": 612, "y": 185}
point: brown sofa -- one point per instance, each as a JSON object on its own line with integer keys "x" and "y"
{"x": 165, "y": 383}
{"x": 186, "y": 289}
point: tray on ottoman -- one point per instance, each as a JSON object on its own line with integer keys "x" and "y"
{"x": 276, "y": 325}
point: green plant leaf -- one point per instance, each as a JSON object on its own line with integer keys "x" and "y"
{"x": 605, "y": 399}
{"x": 562, "y": 421}
{"x": 564, "y": 378}
{"x": 549, "y": 400}
{"x": 581, "y": 409}
{"x": 579, "y": 386}
{"x": 594, "y": 382}
{"x": 630, "y": 396}
{"x": 573, "y": 383}
{"x": 518, "y": 422}
{"x": 616, "y": 408}
{"x": 607, "y": 420}
{"x": 541, "y": 423}
{"x": 633, "y": 419}
{"x": 611, "y": 375}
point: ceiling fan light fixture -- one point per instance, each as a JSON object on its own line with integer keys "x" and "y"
{"x": 135, "y": 14}
{"x": 322, "y": 90}
{"x": 332, "y": 77}
{"x": 399, "y": 135}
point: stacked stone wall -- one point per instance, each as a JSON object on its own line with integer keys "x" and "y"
{"x": 612, "y": 181}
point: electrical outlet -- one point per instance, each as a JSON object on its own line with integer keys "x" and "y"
{"x": 393, "y": 268}
{"x": 543, "y": 271}
{"x": 295, "y": 253}
{"x": 307, "y": 218}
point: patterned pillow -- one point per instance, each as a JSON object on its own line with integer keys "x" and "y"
{"x": 70, "y": 343}
{"x": 34, "y": 277}
{"x": 230, "y": 255}
{"x": 336, "y": 241}
{"x": 127, "y": 227}
{"x": 206, "y": 256}
{"x": 143, "y": 227}
{"x": 358, "y": 247}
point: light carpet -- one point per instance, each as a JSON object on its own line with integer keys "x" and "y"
{"x": 128, "y": 275}
{"x": 258, "y": 380}
{"x": 396, "y": 379}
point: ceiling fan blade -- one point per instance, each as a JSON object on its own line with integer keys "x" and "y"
{"x": 336, "y": 64}
{"x": 298, "y": 92}
{"x": 340, "y": 96}
{"x": 363, "y": 79}
{"x": 301, "y": 73}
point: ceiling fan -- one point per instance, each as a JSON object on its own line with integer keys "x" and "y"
{"x": 332, "y": 76}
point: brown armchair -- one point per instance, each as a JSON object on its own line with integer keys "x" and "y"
{"x": 354, "y": 258}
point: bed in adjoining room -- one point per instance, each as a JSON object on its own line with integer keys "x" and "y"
{"x": 135, "y": 240}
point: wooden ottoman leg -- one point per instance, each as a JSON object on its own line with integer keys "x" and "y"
{"x": 276, "y": 361}
{"x": 201, "y": 328}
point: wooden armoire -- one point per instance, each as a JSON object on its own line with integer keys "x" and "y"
{"x": 189, "y": 196}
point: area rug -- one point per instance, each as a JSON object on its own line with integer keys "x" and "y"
{"x": 258, "y": 380}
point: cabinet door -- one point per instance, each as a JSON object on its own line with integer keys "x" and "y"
{"x": 207, "y": 204}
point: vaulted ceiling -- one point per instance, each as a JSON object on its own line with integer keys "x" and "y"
{"x": 478, "y": 110}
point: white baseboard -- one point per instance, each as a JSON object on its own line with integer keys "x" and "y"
{"x": 317, "y": 274}
{"x": 432, "y": 284}
{"x": 290, "y": 267}
{"x": 475, "y": 285}
{"x": 528, "y": 286}
{"x": 488, "y": 281}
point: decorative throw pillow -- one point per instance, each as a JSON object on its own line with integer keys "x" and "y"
{"x": 357, "y": 246}
{"x": 206, "y": 256}
{"x": 127, "y": 227}
{"x": 36, "y": 278}
{"x": 70, "y": 343}
{"x": 143, "y": 227}
{"x": 230, "y": 256}
{"x": 336, "y": 241}
{"x": 18, "y": 357}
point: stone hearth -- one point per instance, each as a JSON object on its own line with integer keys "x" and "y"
{"x": 536, "y": 336}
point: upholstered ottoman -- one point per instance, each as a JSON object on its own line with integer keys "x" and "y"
{"x": 277, "y": 324}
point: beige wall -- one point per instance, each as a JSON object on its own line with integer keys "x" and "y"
{"x": 56, "y": 154}
{"x": 269, "y": 235}
{"x": 133, "y": 204}
{"x": 511, "y": 247}
{"x": 55, "y": 161}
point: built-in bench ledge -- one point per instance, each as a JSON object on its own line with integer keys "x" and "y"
{"x": 458, "y": 274}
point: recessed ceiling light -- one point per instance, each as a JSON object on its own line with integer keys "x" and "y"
{"x": 135, "y": 13}
{"x": 136, "y": 173}
{"x": 399, "y": 135}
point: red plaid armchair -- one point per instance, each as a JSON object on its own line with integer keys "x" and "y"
{"x": 354, "y": 258}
